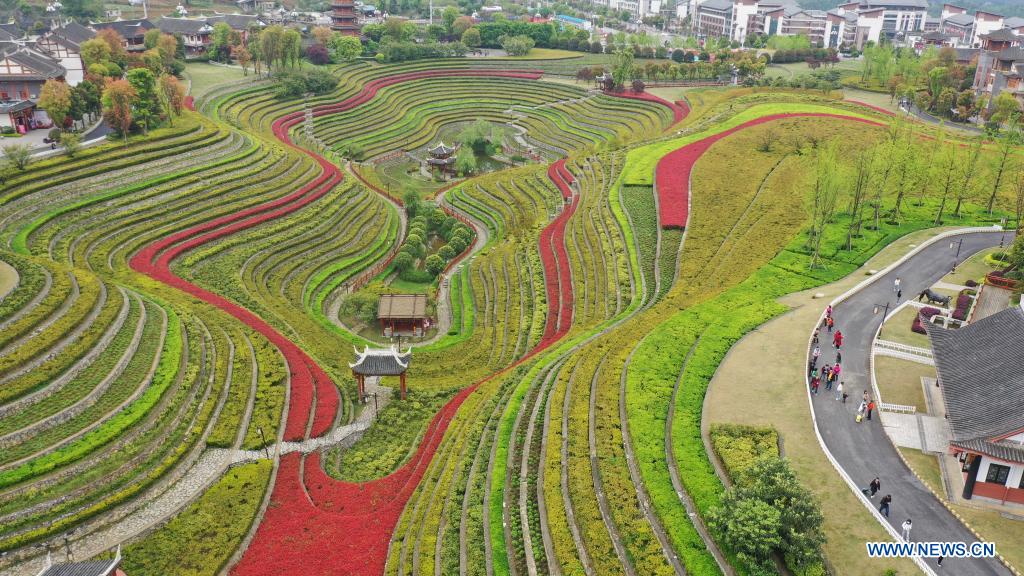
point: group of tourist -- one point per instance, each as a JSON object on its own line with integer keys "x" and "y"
{"x": 829, "y": 374}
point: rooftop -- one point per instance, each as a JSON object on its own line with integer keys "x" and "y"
{"x": 979, "y": 372}
{"x": 127, "y": 28}
{"x": 923, "y": 4}
{"x": 92, "y": 568}
{"x": 960, "y": 19}
{"x": 184, "y": 25}
{"x": 381, "y": 361}
{"x": 1013, "y": 54}
{"x": 402, "y": 306}
{"x": 721, "y": 5}
{"x": 1001, "y": 35}
{"x": 72, "y": 33}
{"x": 42, "y": 67}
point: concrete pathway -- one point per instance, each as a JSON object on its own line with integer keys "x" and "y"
{"x": 160, "y": 506}
{"x": 8, "y": 279}
{"x": 863, "y": 450}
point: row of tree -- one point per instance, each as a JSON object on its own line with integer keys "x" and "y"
{"x": 877, "y": 185}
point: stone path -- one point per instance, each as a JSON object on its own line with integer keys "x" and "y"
{"x": 8, "y": 279}
{"x": 863, "y": 450}
{"x": 211, "y": 466}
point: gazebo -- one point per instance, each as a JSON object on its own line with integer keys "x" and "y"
{"x": 442, "y": 157}
{"x": 402, "y": 314}
{"x": 380, "y": 362}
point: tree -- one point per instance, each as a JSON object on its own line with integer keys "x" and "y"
{"x": 95, "y": 51}
{"x": 167, "y": 46}
{"x": 172, "y": 96}
{"x": 146, "y": 97}
{"x": 345, "y": 48}
{"x": 471, "y": 38}
{"x": 1005, "y": 107}
{"x": 1017, "y": 253}
{"x": 448, "y": 16}
{"x": 322, "y": 35}
{"x": 948, "y": 165}
{"x": 516, "y": 45}
{"x": 967, "y": 183}
{"x": 18, "y": 155}
{"x": 403, "y": 261}
{"x": 460, "y": 25}
{"x": 622, "y": 66}
{"x": 220, "y": 43}
{"x": 291, "y": 48}
{"x": 751, "y": 528}
{"x": 149, "y": 39}
{"x": 72, "y": 143}
{"x": 411, "y": 201}
{"x": 465, "y": 161}
{"x": 862, "y": 176}
{"x": 55, "y": 98}
{"x": 1004, "y": 159}
{"x": 446, "y": 252}
{"x": 826, "y": 189}
{"x": 244, "y": 59}
{"x": 117, "y": 106}
{"x": 115, "y": 42}
{"x": 434, "y": 264}
{"x": 317, "y": 54}
{"x": 270, "y": 45}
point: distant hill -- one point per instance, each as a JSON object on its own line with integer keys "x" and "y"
{"x": 1004, "y": 7}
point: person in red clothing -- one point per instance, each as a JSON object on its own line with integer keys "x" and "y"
{"x": 871, "y": 408}
{"x": 837, "y": 339}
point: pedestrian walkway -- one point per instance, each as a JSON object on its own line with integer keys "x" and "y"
{"x": 863, "y": 449}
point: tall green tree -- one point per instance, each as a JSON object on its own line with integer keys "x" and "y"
{"x": 147, "y": 103}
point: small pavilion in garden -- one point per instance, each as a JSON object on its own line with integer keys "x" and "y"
{"x": 110, "y": 567}
{"x": 402, "y": 314}
{"x": 380, "y": 362}
{"x": 442, "y": 158}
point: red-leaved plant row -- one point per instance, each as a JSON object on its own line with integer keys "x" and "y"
{"x": 679, "y": 108}
{"x": 672, "y": 174}
{"x": 314, "y": 524}
{"x": 318, "y": 525}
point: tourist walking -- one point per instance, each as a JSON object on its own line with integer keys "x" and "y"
{"x": 896, "y": 285}
{"x": 816, "y": 353}
{"x": 884, "y": 506}
{"x": 839, "y": 356}
{"x": 839, "y": 391}
{"x": 875, "y": 486}
{"x": 814, "y": 384}
{"x": 837, "y": 339}
{"x": 816, "y": 332}
{"x": 831, "y": 378}
{"x": 860, "y": 411}
{"x": 871, "y": 407}
{"x": 836, "y": 368}
{"x": 865, "y": 397}
{"x": 906, "y": 529}
{"x": 828, "y": 311}
{"x": 830, "y": 323}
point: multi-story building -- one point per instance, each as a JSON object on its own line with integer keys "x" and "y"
{"x": 343, "y": 17}
{"x": 714, "y": 19}
{"x": 898, "y": 15}
{"x": 985, "y": 23}
{"x": 23, "y": 71}
{"x": 810, "y": 23}
{"x": 1000, "y": 64}
{"x": 64, "y": 44}
{"x": 195, "y": 33}
{"x": 132, "y": 32}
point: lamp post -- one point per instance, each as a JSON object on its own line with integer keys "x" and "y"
{"x": 959, "y": 244}
{"x": 263, "y": 438}
{"x": 884, "y": 314}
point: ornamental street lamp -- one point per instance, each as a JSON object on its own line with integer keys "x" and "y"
{"x": 884, "y": 314}
{"x": 263, "y": 438}
{"x": 959, "y": 244}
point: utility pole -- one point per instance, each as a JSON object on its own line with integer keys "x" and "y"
{"x": 431, "y": 12}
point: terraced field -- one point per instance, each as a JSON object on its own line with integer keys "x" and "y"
{"x": 173, "y": 363}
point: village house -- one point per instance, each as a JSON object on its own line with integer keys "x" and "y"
{"x": 64, "y": 44}
{"x": 978, "y": 369}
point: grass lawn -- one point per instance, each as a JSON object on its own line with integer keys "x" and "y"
{"x": 899, "y": 381}
{"x": 897, "y": 329}
{"x": 1007, "y": 533}
{"x": 926, "y": 466}
{"x": 407, "y": 287}
{"x": 794, "y": 69}
{"x": 543, "y": 54}
{"x": 974, "y": 268}
{"x": 205, "y": 76}
{"x": 742, "y": 387}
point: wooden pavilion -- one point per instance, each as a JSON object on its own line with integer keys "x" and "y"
{"x": 402, "y": 314}
{"x": 380, "y": 362}
{"x": 442, "y": 158}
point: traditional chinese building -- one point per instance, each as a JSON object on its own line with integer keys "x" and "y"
{"x": 979, "y": 373}
{"x": 442, "y": 158}
{"x": 380, "y": 362}
{"x": 402, "y": 314}
{"x": 110, "y": 567}
{"x": 343, "y": 17}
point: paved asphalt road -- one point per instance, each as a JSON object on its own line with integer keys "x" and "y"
{"x": 863, "y": 449}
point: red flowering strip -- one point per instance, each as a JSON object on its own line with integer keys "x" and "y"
{"x": 561, "y": 176}
{"x": 672, "y": 174}
{"x": 678, "y": 111}
{"x": 555, "y": 258}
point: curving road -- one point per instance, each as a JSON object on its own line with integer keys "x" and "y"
{"x": 864, "y": 450}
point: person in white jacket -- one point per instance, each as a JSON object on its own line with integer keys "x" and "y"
{"x": 906, "y": 529}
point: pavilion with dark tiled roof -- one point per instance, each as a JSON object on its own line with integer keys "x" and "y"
{"x": 402, "y": 314}
{"x": 380, "y": 362}
{"x": 979, "y": 369}
{"x": 90, "y": 568}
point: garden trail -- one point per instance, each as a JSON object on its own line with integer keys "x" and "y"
{"x": 8, "y": 279}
